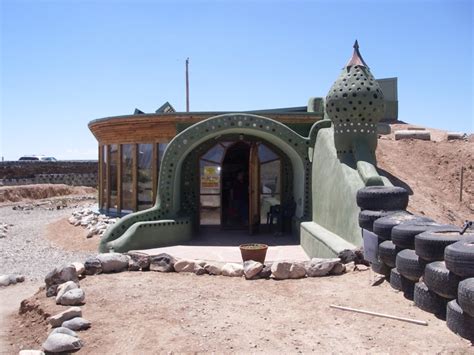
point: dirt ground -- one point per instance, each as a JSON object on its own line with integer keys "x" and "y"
{"x": 27, "y": 193}
{"x": 64, "y": 235}
{"x": 431, "y": 170}
{"x": 149, "y": 312}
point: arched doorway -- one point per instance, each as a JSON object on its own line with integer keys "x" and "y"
{"x": 240, "y": 182}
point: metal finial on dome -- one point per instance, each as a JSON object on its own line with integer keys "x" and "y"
{"x": 356, "y": 57}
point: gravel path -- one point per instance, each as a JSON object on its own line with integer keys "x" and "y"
{"x": 25, "y": 251}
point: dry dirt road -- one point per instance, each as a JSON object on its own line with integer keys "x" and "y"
{"x": 149, "y": 312}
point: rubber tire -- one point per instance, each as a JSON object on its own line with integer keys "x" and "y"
{"x": 383, "y": 226}
{"x": 388, "y": 253}
{"x": 440, "y": 280}
{"x": 410, "y": 265}
{"x": 368, "y": 217}
{"x": 430, "y": 245}
{"x": 401, "y": 283}
{"x": 459, "y": 322}
{"x": 403, "y": 235}
{"x": 380, "y": 267}
{"x": 387, "y": 198}
{"x": 429, "y": 301}
{"x": 466, "y": 296}
{"x": 459, "y": 257}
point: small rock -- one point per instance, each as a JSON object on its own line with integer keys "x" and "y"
{"x": 185, "y": 265}
{"x": 133, "y": 265}
{"x": 93, "y": 266}
{"x": 80, "y": 268}
{"x": 69, "y": 313}
{"x": 113, "y": 262}
{"x": 350, "y": 266}
{"x": 321, "y": 267}
{"x": 361, "y": 267}
{"x": 252, "y": 268}
{"x": 61, "y": 343}
{"x": 5, "y": 280}
{"x": 141, "y": 259}
{"x": 63, "y": 288}
{"x": 297, "y": 270}
{"x": 266, "y": 272}
{"x": 281, "y": 270}
{"x": 213, "y": 268}
{"x": 338, "y": 269}
{"x": 199, "y": 270}
{"x": 31, "y": 352}
{"x": 63, "y": 330}
{"x": 73, "y": 297}
{"x": 232, "y": 270}
{"x": 77, "y": 323}
{"x": 162, "y": 263}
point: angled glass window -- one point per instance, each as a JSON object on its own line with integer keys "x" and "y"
{"x": 145, "y": 176}
{"x": 214, "y": 154}
{"x": 265, "y": 154}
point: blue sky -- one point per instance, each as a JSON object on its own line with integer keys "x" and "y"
{"x": 65, "y": 63}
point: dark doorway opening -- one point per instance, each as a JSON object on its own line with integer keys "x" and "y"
{"x": 235, "y": 183}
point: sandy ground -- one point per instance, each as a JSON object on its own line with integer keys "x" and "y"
{"x": 149, "y": 312}
{"x": 64, "y": 235}
{"x": 28, "y": 193}
{"x": 430, "y": 170}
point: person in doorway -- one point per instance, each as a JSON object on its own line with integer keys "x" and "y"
{"x": 240, "y": 197}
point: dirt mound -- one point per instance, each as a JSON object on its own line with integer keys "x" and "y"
{"x": 431, "y": 171}
{"x": 41, "y": 191}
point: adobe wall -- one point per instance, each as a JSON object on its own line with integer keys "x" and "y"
{"x": 75, "y": 173}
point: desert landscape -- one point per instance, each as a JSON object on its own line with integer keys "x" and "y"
{"x": 149, "y": 312}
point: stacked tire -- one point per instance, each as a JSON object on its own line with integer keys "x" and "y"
{"x": 459, "y": 260}
{"x": 378, "y": 202}
{"x": 432, "y": 264}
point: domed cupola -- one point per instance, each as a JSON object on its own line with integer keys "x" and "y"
{"x": 355, "y": 104}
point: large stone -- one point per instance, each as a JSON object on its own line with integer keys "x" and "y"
{"x": 63, "y": 330}
{"x": 213, "y": 268}
{"x": 69, "y": 313}
{"x": 65, "y": 287}
{"x": 93, "y": 266}
{"x": 77, "y": 323}
{"x": 73, "y": 297}
{"x": 320, "y": 267}
{"x": 140, "y": 259}
{"x": 113, "y": 262}
{"x": 80, "y": 268}
{"x": 252, "y": 268}
{"x": 185, "y": 265}
{"x": 281, "y": 270}
{"x": 62, "y": 343}
{"x": 58, "y": 276}
{"x": 162, "y": 263}
{"x": 232, "y": 270}
{"x": 133, "y": 265}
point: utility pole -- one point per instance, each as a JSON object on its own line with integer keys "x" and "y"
{"x": 187, "y": 84}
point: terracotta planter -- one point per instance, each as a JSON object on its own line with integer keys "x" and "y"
{"x": 254, "y": 251}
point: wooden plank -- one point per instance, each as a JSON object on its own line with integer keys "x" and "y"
{"x": 134, "y": 177}
{"x": 154, "y": 167}
{"x": 99, "y": 176}
{"x": 119, "y": 178}
{"x": 107, "y": 177}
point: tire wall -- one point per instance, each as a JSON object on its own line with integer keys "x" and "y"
{"x": 335, "y": 181}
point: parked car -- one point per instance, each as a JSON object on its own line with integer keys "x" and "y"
{"x": 37, "y": 157}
